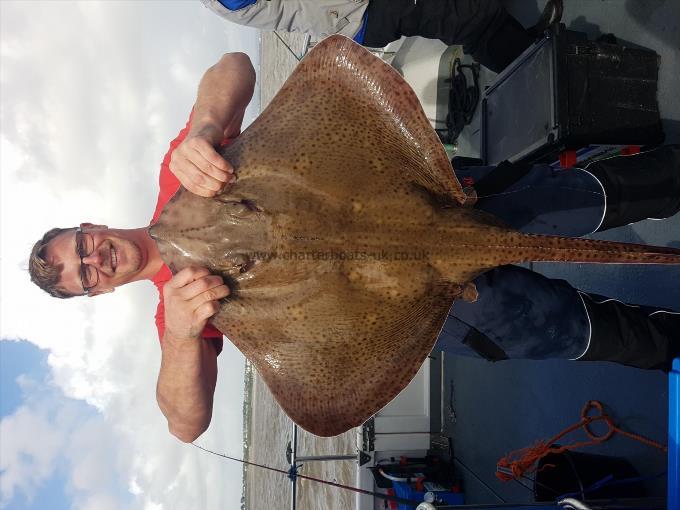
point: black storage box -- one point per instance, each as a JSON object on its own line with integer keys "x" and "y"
{"x": 566, "y": 92}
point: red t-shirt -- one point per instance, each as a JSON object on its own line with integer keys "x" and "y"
{"x": 169, "y": 184}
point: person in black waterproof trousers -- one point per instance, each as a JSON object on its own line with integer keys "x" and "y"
{"x": 483, "y": 27}
{"x": 521, "y": 314}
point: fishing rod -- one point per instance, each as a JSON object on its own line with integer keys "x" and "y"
{"x": 293, "y": 474}
{"x": 288, "y": 47}
{"x": 292, "y": 458}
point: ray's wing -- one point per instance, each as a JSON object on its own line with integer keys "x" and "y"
{"x": 344, "y": 110}
{"x": 331, "y": 369}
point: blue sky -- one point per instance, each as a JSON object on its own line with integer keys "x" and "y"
{"x": 89, "y": 106}
{"x": 24, "y": 383}
{"x": 19, "y": 358}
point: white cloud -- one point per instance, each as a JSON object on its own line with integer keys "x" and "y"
{"x": 89, "y": 106}
{"x": 26, "y": 462}
{"x": 49, "y": 433}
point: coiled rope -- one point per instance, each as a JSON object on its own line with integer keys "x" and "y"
{"x": 524, "y": 461}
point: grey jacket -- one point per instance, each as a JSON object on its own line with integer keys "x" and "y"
{"x": 316, "y": 17}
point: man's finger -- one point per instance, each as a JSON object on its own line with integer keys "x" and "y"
{"x": 201, "y": 285}
{"x": 199, "y": 160}
{"x": 212, "y": 294}
{"x": 203, "y": 180}
{"x": 198, "y": 189}
{"x": 206, "y": 310}
{"x": 209, "y": 153}
{"x": 186, "y": 276}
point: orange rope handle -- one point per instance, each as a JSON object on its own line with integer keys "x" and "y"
{"x": 612, "y": 426}
{"x": 524, "y": 461}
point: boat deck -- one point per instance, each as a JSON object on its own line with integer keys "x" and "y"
{"x": 492, "y": 409}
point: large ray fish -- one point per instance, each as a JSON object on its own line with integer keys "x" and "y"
{"x": 346, "y": 239}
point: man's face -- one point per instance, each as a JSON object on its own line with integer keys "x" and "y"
{"x": 116, "y": 258}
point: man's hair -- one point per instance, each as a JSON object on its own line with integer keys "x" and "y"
{"x": 43, "y": 274}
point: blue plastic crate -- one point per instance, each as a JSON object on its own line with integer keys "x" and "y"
{"x": 674, "y": 436}
{"x": 406, "y": 491}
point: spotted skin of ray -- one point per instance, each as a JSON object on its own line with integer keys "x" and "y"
{"x": 346, "y": 238}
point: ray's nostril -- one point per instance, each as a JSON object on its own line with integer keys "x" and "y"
{"x": 246, "y": 265}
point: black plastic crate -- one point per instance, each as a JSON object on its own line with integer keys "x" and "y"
{"x": 566, "y": 92}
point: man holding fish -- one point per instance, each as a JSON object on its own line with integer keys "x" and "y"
{"x": 94, "y": 259}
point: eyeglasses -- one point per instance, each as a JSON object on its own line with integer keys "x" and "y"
{"x": 89, "y": 275}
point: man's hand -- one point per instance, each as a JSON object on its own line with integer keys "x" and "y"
{"x": 186, "y": 381}
{"x": 223, "y": 94}
{"x": 198, "y": 166}
{"x": 191, "y": 297}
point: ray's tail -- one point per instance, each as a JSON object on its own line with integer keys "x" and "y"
{"x": 537, "y": 248}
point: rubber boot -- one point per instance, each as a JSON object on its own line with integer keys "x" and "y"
{"x": 637, "y": 336}
{"x": 639, "y": 186}
{"x": 551, "y": 15}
